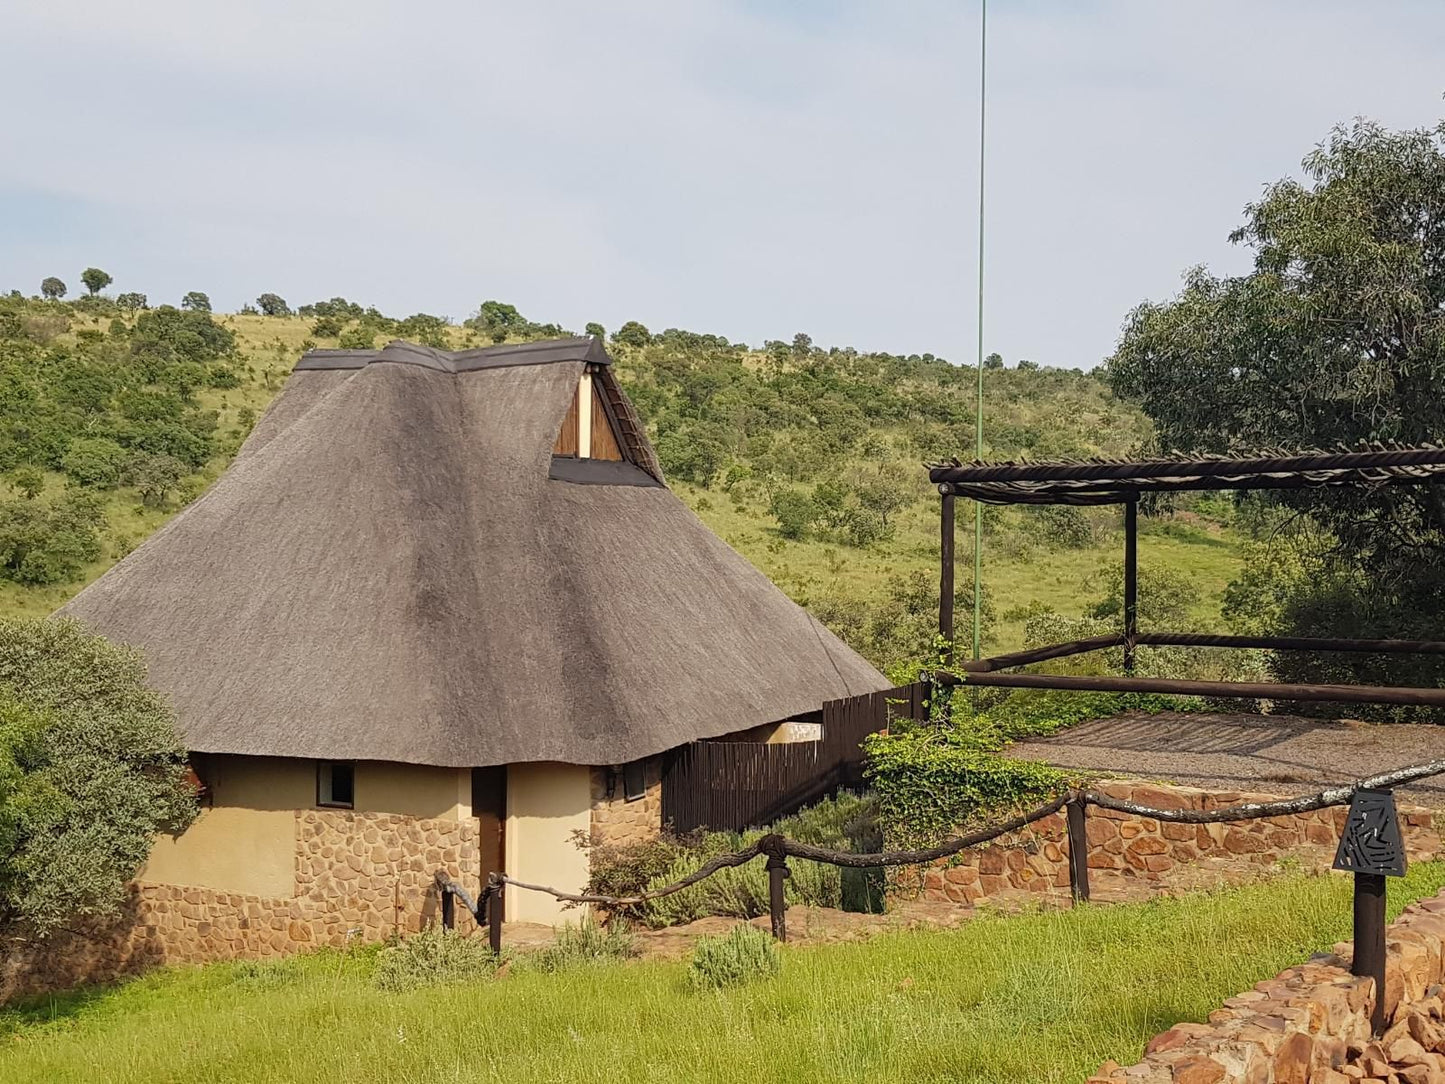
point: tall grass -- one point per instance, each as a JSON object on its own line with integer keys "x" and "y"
{"x": 1035, "y": 998}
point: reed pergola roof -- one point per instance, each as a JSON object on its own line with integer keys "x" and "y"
{"x": 1115, "y": 481}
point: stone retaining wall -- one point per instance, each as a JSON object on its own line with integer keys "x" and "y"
{"x": 358, "y": 876}
{"x": 1311, "y": 1023}
{"x": 1131, "y": 856}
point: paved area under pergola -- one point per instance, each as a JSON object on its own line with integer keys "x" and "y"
{"x": 1265, "y": 753}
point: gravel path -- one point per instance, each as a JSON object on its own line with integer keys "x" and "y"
{"x": 1274, "y": 754}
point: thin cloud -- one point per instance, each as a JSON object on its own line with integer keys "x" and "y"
{"x": 738, "y": 168}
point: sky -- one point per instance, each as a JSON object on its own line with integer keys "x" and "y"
{"x": 750, "y": 169}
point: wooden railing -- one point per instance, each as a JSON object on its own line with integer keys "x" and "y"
{"x": 1369, "y": 906}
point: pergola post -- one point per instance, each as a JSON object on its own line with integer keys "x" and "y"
{"x": 945, "y": 570}
{"x": 1131, "y": 579}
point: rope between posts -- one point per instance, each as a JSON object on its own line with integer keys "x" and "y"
{"x": 778, "y": 846}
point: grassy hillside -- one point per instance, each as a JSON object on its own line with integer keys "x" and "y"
{"x": 1042, "y": 998}
{"x": 808, "y": 461}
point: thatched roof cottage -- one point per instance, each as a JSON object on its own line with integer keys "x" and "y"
{"x": 443, "y": 610}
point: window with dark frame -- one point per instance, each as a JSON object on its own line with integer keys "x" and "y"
{"x": 634, "y": 780}
{"x": 336, "y": 783}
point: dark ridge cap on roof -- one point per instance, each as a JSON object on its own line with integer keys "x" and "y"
{"x": 398, "y": 351}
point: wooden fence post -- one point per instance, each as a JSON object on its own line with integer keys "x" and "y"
{"x": 1369, "y": 961}
{"x": 494, "y": 915}
{"x": 1078, "y": 850}
{"x": 449, "y": 908}
{"x": 777, "y": 868}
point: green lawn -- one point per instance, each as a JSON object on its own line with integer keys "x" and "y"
{"x": 1036, "y": 998}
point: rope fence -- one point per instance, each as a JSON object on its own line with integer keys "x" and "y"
{"x": 778, "y": 848}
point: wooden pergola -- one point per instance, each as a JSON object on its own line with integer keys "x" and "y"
{"x": 1091, "y": 482}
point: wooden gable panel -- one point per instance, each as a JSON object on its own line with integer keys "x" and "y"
{"x": 567, "y": 436}
{"x": 605, "y": 444}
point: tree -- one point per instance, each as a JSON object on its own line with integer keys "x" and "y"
{"x": 154, "y": 477}
{"x": 95, "y": 461}
{"x": 195, "y": 301}
{"x": 132, "y": 302}
{"x": 91, "y": 770}
{"x": 95, "y": 280}
{"x": 632, "y": 334}
{"x": 794, "y": 511}
{"x": 993, "y": 361}
{"x": 273, "y": 305}
{"x": 802, "y": 345}
{"x": 1336, "y": 337}
{"x": 597, "y": 331}
{"x": 52, "y": 289}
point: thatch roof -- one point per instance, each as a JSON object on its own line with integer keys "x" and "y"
{"x": 387, "y": 572}
{"x": 1110, "y": 481}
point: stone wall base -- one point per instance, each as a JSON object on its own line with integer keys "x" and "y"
{"x": 359, "y": 877}
{"x": 1131, "y": 857}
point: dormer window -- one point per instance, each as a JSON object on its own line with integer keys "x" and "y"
{"x": 589, "y": 430}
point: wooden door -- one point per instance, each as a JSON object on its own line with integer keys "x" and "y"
{"x": 489, "y": 806}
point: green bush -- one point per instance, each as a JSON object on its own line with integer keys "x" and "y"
{"x": 91, "y": 770}
{"x": 744, "y": 954}
{"x": 584, "y": 945}
{"x": 95, "y": 461}
{"x": 933, "y": 781}
{"x": 49, "y": 542}
{"x": 846, "y": 822}
{"x": 434, "y": 957}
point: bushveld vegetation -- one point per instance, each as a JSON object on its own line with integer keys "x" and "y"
{"x": 1039, "y": 997}
{"x": 115, "y": 414}
{"x": 90, "y": 771}
{"x": 1337, "y": 335}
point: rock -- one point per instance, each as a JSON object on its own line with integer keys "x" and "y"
{"x": 1292, "y": 1060}
{"x": 1198, "y": 1070}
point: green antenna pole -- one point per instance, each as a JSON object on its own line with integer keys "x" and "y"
{"x": 978, "y": 418}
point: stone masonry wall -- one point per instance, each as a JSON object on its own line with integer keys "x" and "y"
{"x": 358, "y": 877}
{"x": 1132, "y": 856}
{"x": 1311, "y": 1023}
{"x": 617, "y": 821}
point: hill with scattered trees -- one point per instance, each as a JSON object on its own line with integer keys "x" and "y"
{"x": 115, "y": 413}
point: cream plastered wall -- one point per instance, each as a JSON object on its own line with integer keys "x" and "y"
{"x": 245, "y": 841}
{"x": 546, "y": 804}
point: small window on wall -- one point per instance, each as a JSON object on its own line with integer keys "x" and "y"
{"x": 336, "y": 783}
{"x": 634, "y": 780}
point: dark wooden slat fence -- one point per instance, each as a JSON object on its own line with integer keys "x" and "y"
{"x": 736, "y": 785}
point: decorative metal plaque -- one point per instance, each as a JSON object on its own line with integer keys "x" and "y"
{"x": 1371, "y": 841}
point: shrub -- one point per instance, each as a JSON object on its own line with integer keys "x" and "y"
{"x": 49, "y": 542}
{"x": 931, "y": 782}
{"x": 91, "y": 770}
{"x": 196, "y": 301}
{"x": 584, "y": 945}
{"x": 434, "y": 957}
{"x": 95, "y": 461}
{"x": 845, "y": 822}
{"x": 626, "y": 869}
{"x": 743, "y": 954}
{"x": 794, "y": 512}
{"x": 360, "y": 337}
{"x": 28, "y": 482}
